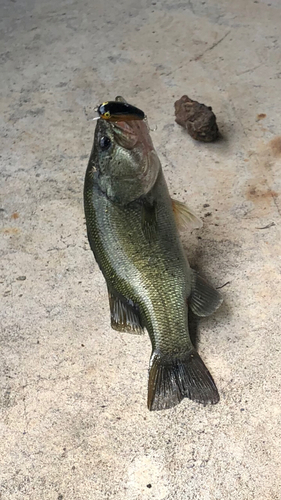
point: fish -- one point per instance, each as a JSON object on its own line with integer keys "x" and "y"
{"x": 132, "y": 230}
{"x": 119, "y": 111}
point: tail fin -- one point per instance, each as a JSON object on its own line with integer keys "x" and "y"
{"x": 172, "y": 379}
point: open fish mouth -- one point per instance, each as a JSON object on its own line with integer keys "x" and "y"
{"x": 130, "y": 134}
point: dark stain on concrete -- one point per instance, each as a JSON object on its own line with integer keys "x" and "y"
{"x": 275, "y": 146}
{"x": 260, "y": 192}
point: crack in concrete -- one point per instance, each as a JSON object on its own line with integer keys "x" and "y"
{"x": 210, "y": 48}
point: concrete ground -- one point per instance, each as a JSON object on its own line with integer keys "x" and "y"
{"x": 74, "y": 422}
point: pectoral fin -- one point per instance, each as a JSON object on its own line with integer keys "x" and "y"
{"x": 124, "y": 315}
{"x": 204, "y": 299}
{"x": 149, "y": 220}
{"x": 184, "y": 216}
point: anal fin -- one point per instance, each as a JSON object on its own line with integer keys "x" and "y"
{"x": 204, "y": 299}
{"x": 124, "y": 315}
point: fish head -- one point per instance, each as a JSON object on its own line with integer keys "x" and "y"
{"x": 124, "y": 158}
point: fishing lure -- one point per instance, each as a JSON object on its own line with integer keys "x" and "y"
{"x": 115, "y": 111}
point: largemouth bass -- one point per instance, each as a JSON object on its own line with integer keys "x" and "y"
{"x": 133, "y": 234}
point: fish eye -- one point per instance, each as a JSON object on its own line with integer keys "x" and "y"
{"x": 105, "y": 142}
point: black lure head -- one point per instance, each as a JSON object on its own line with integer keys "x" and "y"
{"x": 117, "y": 111}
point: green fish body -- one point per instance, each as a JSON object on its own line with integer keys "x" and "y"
{"x": 150, "y": 283}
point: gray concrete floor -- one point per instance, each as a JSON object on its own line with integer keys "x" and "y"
{"x": 74, "y": 422}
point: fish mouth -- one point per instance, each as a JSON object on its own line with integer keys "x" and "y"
{"x": 134, "y": 133}
{"x": 122, "y": 133}
{"x": 127, "y": 134}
